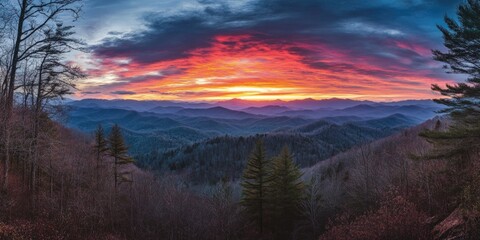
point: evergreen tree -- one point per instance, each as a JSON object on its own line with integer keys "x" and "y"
{"x": 461, "y": 142}
{"x": 101, "y": 144}
{"x": 101, "y": 148}
{"x": 255, "y": 182}
{"x": 463, "y": 56}
{"x": 462, "y": 39}
{"x": 285, "y": 193}
{"x": 119, "y": 152}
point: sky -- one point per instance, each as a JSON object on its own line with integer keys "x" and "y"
{"x": 211, "y": 50}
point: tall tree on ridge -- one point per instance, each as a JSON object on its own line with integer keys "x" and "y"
{"x": 285, "y": 193}
{"x": 119, "y": 152}
{"x": 255, "y": 183}
{"x": 101, "y": 147}
{"x": 462, "y": 39}
{"x": 460, "y": 144}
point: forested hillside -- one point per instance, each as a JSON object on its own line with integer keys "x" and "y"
{"x": 74, "y": 194}
{"x": 209, "y": 148}
{"x": 213, "y": 159}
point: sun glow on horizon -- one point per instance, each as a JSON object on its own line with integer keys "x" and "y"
{"x": 244, "y": 68}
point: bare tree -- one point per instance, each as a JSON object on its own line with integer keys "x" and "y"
{"x": 35, "y": 33}
{"x": 54, "y": 78}
{"x": 34, "y": 17}
{"x": 311, "y": 208}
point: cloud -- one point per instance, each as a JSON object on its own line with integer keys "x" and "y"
{"x": 90, "y": 92}
{"x": 354, "y": 43}
{"x": 122, "y": 92}
{"x": 359, "y": 26}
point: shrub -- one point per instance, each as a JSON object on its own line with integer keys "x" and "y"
{"x": 395, "y": 218}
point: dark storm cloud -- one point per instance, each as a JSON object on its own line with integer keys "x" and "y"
{"x": 363, "y": 28}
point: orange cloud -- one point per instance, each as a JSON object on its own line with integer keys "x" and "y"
{"x": 241, "y": 67}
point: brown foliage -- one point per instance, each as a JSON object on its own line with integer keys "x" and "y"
{"x": 396, "y": 218}
{"x": 74, "y": 198}
{"x": 25, "y": 230}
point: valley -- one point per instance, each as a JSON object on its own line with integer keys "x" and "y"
{"x": 208, "y": 141}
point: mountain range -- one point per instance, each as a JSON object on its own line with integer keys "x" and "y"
{"x": 167, "y": 135}
{"x": 239, "y": 104}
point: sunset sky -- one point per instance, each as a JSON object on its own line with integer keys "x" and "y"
{"x": 209, "y": 50}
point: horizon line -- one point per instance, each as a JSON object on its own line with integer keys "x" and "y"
{"x": 254, "y": 101}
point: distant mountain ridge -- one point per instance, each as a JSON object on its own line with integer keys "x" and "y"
{"x": 243, "y": 105}
{"x": 197, "y": 137}
{"x": 307, "y": 103}
{"x": 269, "y": 109}
{"x": 135, "y": 104}
{"x": 164, "y": 120}
{"x": 215, "y": 112}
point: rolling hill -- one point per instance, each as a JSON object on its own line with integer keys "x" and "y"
{"x": 211, "y": 159}
{"x": 166, "y": 135}
{"x": 215, "y": 112}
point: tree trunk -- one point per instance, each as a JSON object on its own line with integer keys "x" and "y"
{"x": 13, "y": 72}
{"x": 115, "y": 173}
{"x": 10, "y": 86}
{"x": 6, "y": 163}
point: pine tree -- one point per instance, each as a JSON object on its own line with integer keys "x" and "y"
{"x": 119, "y": 152}
{"x": 463, "y": 57}
{"x": 101, "y": 148}
{"x": 101, "y": 144}
{"x": 460, "y": 143}
{"x": 462, "y": 39}
{"x": 255, "y": 182}
{"x": 285, "y": 193}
